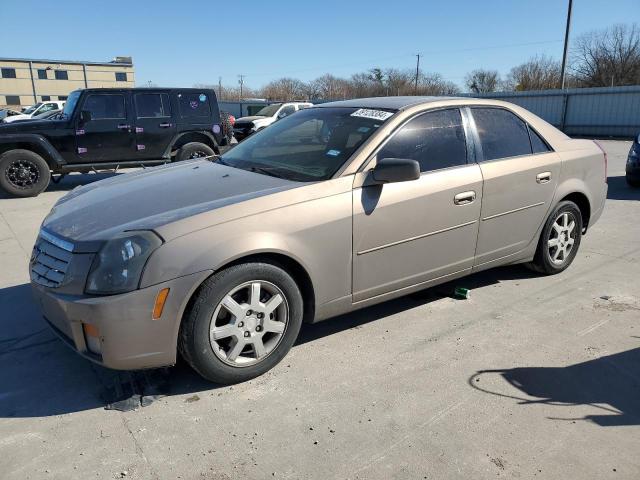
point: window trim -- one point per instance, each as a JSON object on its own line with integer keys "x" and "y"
{"x": 476, "y": 137}
{"x": 470, "y": 158}
{"x": 124, "y": 97}
{"x": 135, "y": 103}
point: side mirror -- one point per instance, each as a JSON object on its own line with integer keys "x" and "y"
{"x": 391, "y": 170}
{"x": 85, "y": 116}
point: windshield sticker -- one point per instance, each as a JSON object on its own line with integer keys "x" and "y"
{"x": 333, "y": 153}
{"x": 373, "y": 114}
{"x": 139, "y": 129}
{"x": 203, "y": 97}
{"x": 193, "y": 104}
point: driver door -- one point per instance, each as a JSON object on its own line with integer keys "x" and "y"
{"x": 412, "y": 232}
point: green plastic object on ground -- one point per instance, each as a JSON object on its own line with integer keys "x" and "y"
{"x": 461, "y": 292}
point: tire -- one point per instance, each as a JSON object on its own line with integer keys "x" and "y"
{"x": 209, "y": 325}
{"x": 632, "y": 182}
{"x": 194, "y": 150}
{"x": 566, "y": 240}
{"x": 23, "y": 173}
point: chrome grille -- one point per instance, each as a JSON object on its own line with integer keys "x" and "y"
{"x": 49, "y": 262}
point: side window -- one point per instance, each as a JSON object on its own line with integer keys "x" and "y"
{"x": 152, "y": 105}
{"x": 103, "y": 107}
{"x": 435, "y": 140}
{"x": 502, "y": 134}
{"x": 286, "y": 111}
{"x": 194, "y": 105}
{"x": 537, "y": 144}
{"x": 302, "y": 106}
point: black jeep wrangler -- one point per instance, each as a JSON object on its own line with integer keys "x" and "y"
{"x": 109, "y": 128}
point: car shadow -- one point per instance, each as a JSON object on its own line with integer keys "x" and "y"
{"x": 620, "y": 190}
{"x": 41, "y": 376}
{"x": 610, "y": 384}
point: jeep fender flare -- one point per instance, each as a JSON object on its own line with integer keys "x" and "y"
{"x": 37, "y": 144}
{"x": 191, "y": 136}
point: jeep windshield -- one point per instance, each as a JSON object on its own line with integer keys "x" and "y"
{"x": 269, "y": 111}
{"x": 70, "y": 104}
{"x": 309, "y": 146}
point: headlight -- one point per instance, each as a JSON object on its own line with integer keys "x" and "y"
{"x": 117, "y": 267}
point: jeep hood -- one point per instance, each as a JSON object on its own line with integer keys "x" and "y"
{"x": 147, "y": 199}
{"x": 30, "y": 126}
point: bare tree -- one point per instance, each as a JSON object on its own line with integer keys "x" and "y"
{"x": 608, "y": 57}
{"x": 434, "y": 84}
{"x": 399, "y": 82}
{"x": 539, "y": 73}
{"x": 482, "y": 81}
{"x": 285, "y": 89}
{"x": 328, "y": 87}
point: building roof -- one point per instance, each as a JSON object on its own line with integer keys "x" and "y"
{"x": 73, "y": 62}
{"x": 394, "y": 103}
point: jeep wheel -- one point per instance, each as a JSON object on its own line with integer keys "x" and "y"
{"x": 23, "y": 173}
{"x": 194, "y": 150}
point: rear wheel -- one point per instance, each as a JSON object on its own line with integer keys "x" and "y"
{"x": 242, "y": 323}
{"x": 194, "y": 150}
{"x": 559, "y": 241}
{"x": 23, "y": 173}
{"x": 632, "y": 182}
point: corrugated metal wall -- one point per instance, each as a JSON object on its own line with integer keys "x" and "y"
{"x": 603, "y": 111}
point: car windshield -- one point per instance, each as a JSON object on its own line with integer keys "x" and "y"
{"x": 308, "y": 146}
{"x": 32, "y": 108}
{"x": 269, "y": 111}
{"x": 70, "y": 104}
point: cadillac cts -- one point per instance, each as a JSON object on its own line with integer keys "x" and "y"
{"x": 334, "y": 208}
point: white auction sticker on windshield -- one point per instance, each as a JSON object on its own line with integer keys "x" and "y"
{"x": 373, "y": 114}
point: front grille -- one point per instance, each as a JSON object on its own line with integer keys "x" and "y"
{"x": 49, "y": 262}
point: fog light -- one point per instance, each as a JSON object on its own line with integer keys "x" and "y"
{"x": 161, "y": 298}
{"x": 92, "y": 338}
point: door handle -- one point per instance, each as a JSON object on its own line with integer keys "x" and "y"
{"x": 165, "y": 125}
{"x": 544, "y": 177}
{"x": 124, "y": 127}
{"x": 464, "y": 198}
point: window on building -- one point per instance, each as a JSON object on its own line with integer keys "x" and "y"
{"x": 62, "y": 97}
{"x": 121, "y": 76}
{"x": 42, "y": 74}
{"x": 106, "y": 106}
{"x": 194, "y": 105}
{"x": 152, "y": 105}
{"x": 12, "y": 99}
{"x": 61, "y": 75}
{"x": 8, "y": 73}
{"x": 45, "y": 98}
{"x": 502, "y": 134}
{"x": 435, "y": 140}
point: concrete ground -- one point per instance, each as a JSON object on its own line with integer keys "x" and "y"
{"x": 531, "y": 377}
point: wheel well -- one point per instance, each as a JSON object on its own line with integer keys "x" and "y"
{"x": 292, "y": 267}
{"x": 33, "y": 147}
{"x": 194, "y": 137}
{"x": 581, "y": 200}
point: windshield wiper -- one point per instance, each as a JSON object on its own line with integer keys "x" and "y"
{"x": 265, "y": 171}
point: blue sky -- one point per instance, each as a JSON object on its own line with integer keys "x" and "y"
{"x": 180, "y": 43}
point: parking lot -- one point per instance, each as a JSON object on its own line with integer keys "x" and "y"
{"x": 530, "y": 377}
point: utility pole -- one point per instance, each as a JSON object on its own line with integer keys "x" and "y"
{"x": 415, "y": 88}
{"x": 241, "y": 82}
{"x": 219, "y": 87}
{"x": 563, "y": 72}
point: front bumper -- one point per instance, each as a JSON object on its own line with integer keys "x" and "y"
{"x": 129, "y": 338}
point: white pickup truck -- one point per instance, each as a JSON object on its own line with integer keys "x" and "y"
{"x": 245, "y": 126}
{"x": 35, "y": 110}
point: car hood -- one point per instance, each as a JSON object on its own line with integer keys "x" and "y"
{"x": 250, "y": 119}
{"x": 29, "y": 125}
{"x": 147, "y": 199}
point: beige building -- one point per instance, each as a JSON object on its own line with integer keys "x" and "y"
{"x": 25, "y": 81}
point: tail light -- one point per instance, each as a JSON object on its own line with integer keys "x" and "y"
{"x": 606, "y": 161}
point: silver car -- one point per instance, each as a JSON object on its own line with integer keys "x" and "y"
{"x": 331, "y": 209}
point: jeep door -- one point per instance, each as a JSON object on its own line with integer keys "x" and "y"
{"x": 411, "y": 232}
{"x": 154, "y": 126}
{"x": 108, "y": 135}
{"x": 520, "y": 174}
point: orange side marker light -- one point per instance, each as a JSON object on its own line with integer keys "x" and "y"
{"x": 161, "y": 298}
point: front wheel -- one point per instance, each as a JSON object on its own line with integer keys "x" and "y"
{"x": 559, "y": 241}
{"x": 242, "y": 323}
{"x": 23, "y": 173}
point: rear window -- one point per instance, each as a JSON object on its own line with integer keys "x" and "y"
{"x": 194, "y": 105}
{"x": 502, "y": 134}
{"x": 152, "y": 105}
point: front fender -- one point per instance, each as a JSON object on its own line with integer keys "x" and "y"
{"x": 40, "y": 143}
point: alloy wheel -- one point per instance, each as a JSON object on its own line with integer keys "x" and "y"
{"x": 249, "y": 323}
{"x": 22, "y": 174}
{"x": 562, "y": 238}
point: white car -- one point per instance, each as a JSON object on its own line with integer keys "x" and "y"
{"x": 245, "y": 126}
{"x": 35, "y": 110}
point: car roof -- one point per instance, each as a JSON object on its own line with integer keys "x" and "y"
{"x": 393, "y": 103}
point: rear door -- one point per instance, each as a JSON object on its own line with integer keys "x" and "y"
{"x": 154, "y": 125}
{"x": 520, "y": 174}
{"x": 108, "y": 136}
{"x": 408, "y": 233}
